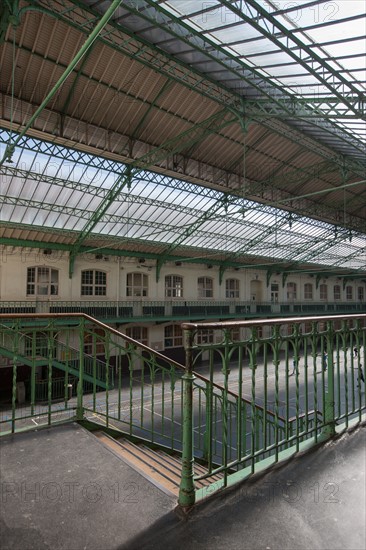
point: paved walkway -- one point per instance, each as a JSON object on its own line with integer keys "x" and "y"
{"x": 62, "y": 490}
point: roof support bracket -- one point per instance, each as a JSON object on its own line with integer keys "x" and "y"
{"x": 89, "y": 41}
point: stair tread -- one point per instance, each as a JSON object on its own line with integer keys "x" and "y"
{"x": 157, "y": 465}
{"x": 146, "y": 469}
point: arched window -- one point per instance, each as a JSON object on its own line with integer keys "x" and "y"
{"x": 137, "y": 284}
{"x": 291, "y": 291}
{"x": 232, "y": 288}
{"x": 360, "y": 293}
{"x": 93, "y": 283}
{"x": 349, "y": 292}
{"x": 173, "y": 286}
{"x": 42, "y": 281}
{"x": 337, "y": 292}
{"x": 323, "y": 289}
{"x": 173, "y": 336}
{"x": 275, "y": 288}
{"x": 308, "y": 291}
{"x": 205, "y": 287}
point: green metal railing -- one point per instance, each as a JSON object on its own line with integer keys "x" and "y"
{"x": 250, "y": 394}
{"x": 179, "y": 308}
{"x": 297, "y": 382}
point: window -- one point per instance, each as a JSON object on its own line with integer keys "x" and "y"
{"x": 232, "y": 288}
{"x": 308, "y": 291}
{"x": 360, "y": 293}
{"x": 235, "y": 334}
{"x": 138, "y": 333}
{"x": 94, "y": 342}
{"x": 37, "y": 345}
{"x": 93, "y": 283}
{"x": 173, "y": 336}
{"x": 205, "y": 287}
{"x": 137, "y": 284}
{"x": 291, "y": 291}
{"x": 337, "y": 292}
{"x": 349, "y": 293}
{"x": 205, "y": 336}
{"x": 323, "y": 289}
{"x": 274, "y": 292}
{"x": 173, "y": 286}
{"x": 42, "y": 281}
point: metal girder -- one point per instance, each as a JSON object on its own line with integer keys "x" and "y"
{"x": 275, "y": 105}
{"x": 322, "y": 191}
{"x": 211, "y": 213}
{"x": 88, "y": 43}
{"x": 48, "y": 207}
{"x": 200, "y": 131}
{"x": 274, "y": 30}
{"x": 65, "y": 106}
{"x": 135, "y": 133}
{"x": 53, "y": 180}
{"x": 302, "y": 108}
{"x": 355, "y": 255}
{"x": 9, "y": 10}
{"x": 251, "y": 244}
{"x": 123, "y": 180}
{"x": 279, "y": 103}
{"x": 137, "y": 48}
{"x": 264, "y": 191}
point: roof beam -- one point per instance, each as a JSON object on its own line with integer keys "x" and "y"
{"x": 197, "y": 132}
{"x": 273, "y": 29}
{"x": 141, "y": 50}
{"x": 266, "y": 191}
{"x": 83, "y": 50}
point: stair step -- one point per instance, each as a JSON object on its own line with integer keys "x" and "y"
{"x": 137, "y": 460}
{"x": 198, "y": 468}
{"x": 160, "y": 468}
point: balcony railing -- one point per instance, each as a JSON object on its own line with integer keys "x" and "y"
{"x": 239, "y": 405}
{"x": 180, "y": 309}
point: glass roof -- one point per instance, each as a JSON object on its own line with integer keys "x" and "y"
{"x": 50, "y": 192}
{"x": 300, "y": 64}
{"x": 306, "y": 50}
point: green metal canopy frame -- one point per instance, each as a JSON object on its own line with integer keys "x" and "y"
{"x": 317, "y": 125}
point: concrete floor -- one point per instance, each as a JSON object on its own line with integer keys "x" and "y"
{"x": 62, "y": 490}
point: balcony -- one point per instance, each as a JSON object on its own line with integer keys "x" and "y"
{"x": 141, "y": 311}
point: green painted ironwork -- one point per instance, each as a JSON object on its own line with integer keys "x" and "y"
{"x": 254, "y": 190}
{"x": 196, "y": 133}
{"x": 251, "y": 393}
{"x": 88, "y": 43}
{"x": 123, "y": 39}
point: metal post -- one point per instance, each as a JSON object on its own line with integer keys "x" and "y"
{"x": 207, "y": 437}
{"x": 186, "y": 497}
{"x": 329, "y": 420}
{"x": 79, "y": 406}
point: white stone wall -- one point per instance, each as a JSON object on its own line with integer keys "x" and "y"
{"x": 253, "y": 284}
{"x": 14, "y": 264}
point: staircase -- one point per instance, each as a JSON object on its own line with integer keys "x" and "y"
{"x": 162, "y": 469}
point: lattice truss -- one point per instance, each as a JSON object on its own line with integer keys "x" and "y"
{"x": 223, "y": 131}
